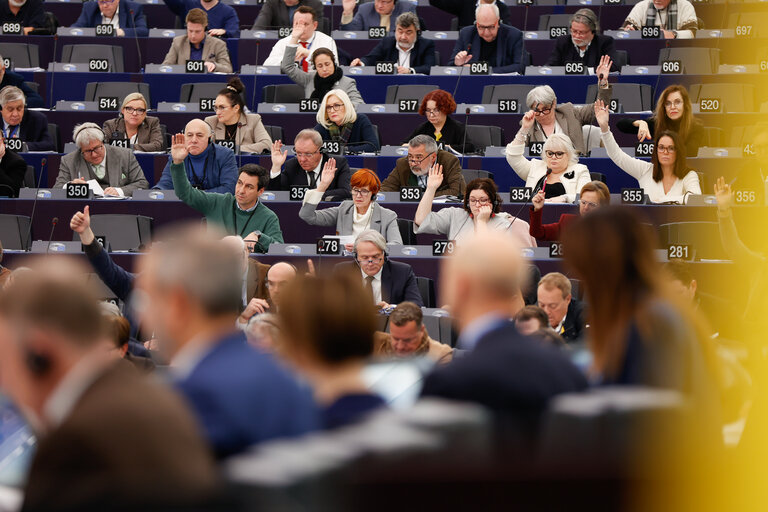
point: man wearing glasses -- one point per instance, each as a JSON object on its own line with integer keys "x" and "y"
{"x": 583, "y": 44}
{"x": 127, "y": 17}
{"x": 115, "y": 169}
{"x": 413, "y": 170}
{"x": 501, "y": 46}
{"x": 379, "y": 13}
{"x": 306, "y": 168}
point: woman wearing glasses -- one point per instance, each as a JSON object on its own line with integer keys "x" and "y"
{"x": 566, "y": 118}
{"x": 337, "y": 121}
{"x": 142, "y": 131}
{"x": 558, "y": 173}
{"x": 666, "y": 178}
{"x": 593, "y": 195}
{"x": 355, "y": 216}
{"x": 437, "y": 106}
{"x": 326, "y": 76}
{"x": 231, "y": 123}
{"x": 673, "y": 113}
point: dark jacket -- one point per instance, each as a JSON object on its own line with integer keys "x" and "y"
{"x": 453, "y": 181}
{"x": 219, "y": 16}
{"x": 422, "y": 55}
{"x": 12, "y": 171}
{"x": 31, "y": 14}
{"x": 398, "y": 282}
{"x": 220, "y": 174}
{"x": 548, "y": 232}
{"x": 573, "y": 326}
{"x": 693, "y": 142}
{"x": 293, "y": 174}
{"x": 150, "y": 137}
{"x": 509, "y": 49}
{"x": 367, "y": 17}
{"x": 362, "y": 137}
{"x": 565, "y": 51}
{"x": 452, "y": 135}
{"x": 275, "y": 14}
{"x": 131, "y": 15}
{"x": 465, "y": 10}
{"x": 33, "y": 130}
{"x": 34, "y": 100}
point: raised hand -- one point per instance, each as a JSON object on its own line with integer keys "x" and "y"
{"x": 356, "y": 62}
{"x": 462, "y": 58}
{"x": 528, "y": 119}
{"x": 301, "y": 54}
{"x": 723, "y": 194}
{"x": 435, "y": 178}
{"x": 255, "y": 307}
{"x": 311, "y": 268}
{"x": 278, "y": 156}
{"x": 602, "y": 115}
{"x": 178, "y": 148}
{"x": 604, "y": 68}
{"x": 538, "y": 200}
{"x": 643, "y": 131}
{"x": 81, "y": 224}
{"x": 348, "y": 6}
{"x": 326, "y": 177}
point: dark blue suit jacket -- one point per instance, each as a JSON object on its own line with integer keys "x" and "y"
{"x": 422, "y": 55}
{"x": 362, "y": 137}
{"x": 242, "y": 397}
{"x": 220, "y": 16}
{"x": 33, "y": 99}
{"x": 398, "y": 282}
{"x": 367, "y": 17}
{"x": 91, "y": 16}
{"x": 509, "y": 49}
{"x": 34, "y": 131}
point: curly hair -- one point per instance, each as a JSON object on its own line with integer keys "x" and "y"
{"x": 444, "y": 101}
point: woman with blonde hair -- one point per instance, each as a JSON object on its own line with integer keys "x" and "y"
{"x": 337, "y": 121}
{"x": 142, "y": 131}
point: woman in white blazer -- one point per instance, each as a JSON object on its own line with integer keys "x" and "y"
{"x": 567, "y": 176}
{"x": 666, "y": 178}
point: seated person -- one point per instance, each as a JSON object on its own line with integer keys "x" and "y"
{"x": 593, "y": 195}
{"x": 119, "y": 332}
{"x": 306, "y": 35}
{"x": 677, "y": 22}
{"x": 557, "y": 173}
{"x": 583, "y": 44}
{"x": 306, "y": 167}
{"x": 222, "y": 18}
{"x": 8, "y": 77}
{"x": 196, "y": 45}
{"x": 355, "y": 216}
{"x": 13, "y": 168}
{"x": 411, "y": 52}
{"x": 667, "y": 177}
{"x": 379, "y": 13}
{"x": 465, "y": 11}
{"x": 115, "y": 169}
{"x": 412, "y": 170}
{"x": 388, "y": 282}
{"x": 551, "y": 117}
{"x": 210, "y": 167}
{"x": 326, "y": 76}
{"x": 338, "y": 121}
{"x": 142, "y": 131}
{"x": 673, "y": 113}
{"x": 126, "y": 16}
{"x": 531, "y": 319}
{"x": 481, "y": 212}
{"x": 565, "y": 313}
{"x": 28, "y": 13}
{"x": 437, "y": 106}
{"x": 232, "y": 123}
{"x": 241, "y": 214}
{"x": 279, "y": 13}
{"x": 21, "y": 123}
{"x": 501, "y": 46}
{"x": 408, "y": 337}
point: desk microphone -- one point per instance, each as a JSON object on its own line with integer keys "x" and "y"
{"x": 533, "y": 193}
{"x": 54, "y": 221}
{"x": 28, "y": 239}
{"x": 464, "y": 142}
{"x": 136, "y": 38}
{"x": 461, "y": 72}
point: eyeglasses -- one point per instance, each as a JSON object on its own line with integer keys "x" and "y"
{"x": 417, "y": 159}
{"x": 106, "y": 2}
{"x": 132, "y": 110}
{"x": 370, "y": 259}
{"x": 362, "y": 192}
{"x": 676, "y": 103}
{"x": 384, "y": 2}
{"x": 97, "y": 149}
{"x": 220, "y": 108}
{"x": 543, "y": 111}
{"x": 482, "y": 201}
{"x": 588, "y": 204}
{"x": 666, "y": 149}
{"x": 487, "y": 28}
{"x": 306, "y": 155}
{"x": 334, "y": 108}
{"x": 555, "y": 154}
{"x": 580, "y": 32}
{"x": 432, "y": 111}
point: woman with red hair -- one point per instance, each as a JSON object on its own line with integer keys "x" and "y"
{"x": 437, "y": 106}
{"x": 352, "y": 217}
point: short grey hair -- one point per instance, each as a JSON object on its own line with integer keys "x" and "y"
{"x": 408, "y": 19}
{"x": 86, "y": 133}
{"x": 10, "y": 93}
{"x": 309, "y": 133}
{"x": 493, "y": 6}
{"x": 560, "y": 142}
{"x": 543, "y": 94}
{"x": 373, "y": 236}
{"x": 429, "y": 143}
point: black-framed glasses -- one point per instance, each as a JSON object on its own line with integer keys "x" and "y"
{"x": 362, "y": 192}
{"x": 334, "y": 108}
{"x": 666, "y": 149}
{"x": 555, "y": 154}
{"x": 97, "y": 149}
{"x": 132, "y": 110}
{"x": 306, "y": 155}
{"x": 481, "y": 201}
{"x": 543, "y": 111}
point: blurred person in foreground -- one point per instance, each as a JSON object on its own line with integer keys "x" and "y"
{"x": 188, "y": 291}
{"x": 5, "y": 273}
{"x": 119, "y": 332}
{"x": 408, "y": 337}
{"x": 593, "y": 195}
{"x": 263, "y": 331}
{"x": 106, "y": 435}
{"x": 328, "y": 328}
{"x": 565, "y": 312}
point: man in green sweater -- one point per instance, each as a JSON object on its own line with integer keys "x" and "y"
{"x": 242, "y": 214}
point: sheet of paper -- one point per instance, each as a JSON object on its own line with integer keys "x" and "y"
{"x": 95, "y": 188}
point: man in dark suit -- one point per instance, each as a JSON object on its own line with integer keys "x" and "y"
{"x": 13, "y": 168}
{"x": 21, "y": 123}
{"x": 584, "y": 44}
{"x": 389, "y": 282}
{"x": 28, "y": 13}
{"x": 411, "y": 52}
{"x": 192, "y": 289}
{"x": 279, "y": 13}
{"x": 106, "y": 434}
{"x": 381, "y": 13}
{"x": 127, "y": 17}
{"x": 7, "y": 77}
{"x": 305, "y": 169}
{"x": 566, "y": 313}
{"x": 466, "y": 10}
{"x": 500, "y": 369}
{"x": 501, "y": 46}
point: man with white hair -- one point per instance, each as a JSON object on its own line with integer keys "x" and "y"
{"x": 501, "y": 46}
{"x": 209, "y": 167}
{"x": 465, "y": 11}
{"x": 19, "y": 122}
{"x": 115, "y": 169}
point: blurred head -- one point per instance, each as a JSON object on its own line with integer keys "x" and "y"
{"x": 324, "y": 62}
{"x": 12, "y": 101}
{"x": 669, "y": 149}
{"x": 370, "y": 248}
{"x": 291, "y": 3}
{"x": 239, "y": 248}
{"x": 251, "y": 183}
{"x": 681, "y": 279}
{"x": 531, "y": 319}
{"x": 593, "y": 195}
{"x": 422, "y": 154}
{"x": 481, "y": 192}
{"x": 197, "y": 22}
{"x": 408, "y": 336}
{"x": 278, "y": 276}
{"x": 197, "y": 135}
{"x": 118, "y": 331}
{"x": 134, "y": 109}
{"x": 305, "y": 22}
{"x": 307, "y": 146}
{"x": 760, "y": 144}
{"x": 543, "y": 101}
{"x": 437, "y": 105}
{"x": 554, "y": 297}
{"x": 90, "y": 139}
{"x": 108, "y": 7}
{"x": 365, "y": 184}
{"x": 547, "y": 336}
{"x": 336, "y": 108}
{"x": 263, "y": 331}
{"x": 487, "y": 21}
{"x": 407, "y": 30}
{"x": 384, "y": 6}
{"x": 558, "y": 152}
{"x": 660, "y": 4}
{"x": 229, "y": 102}
{"x": 584, "y": 25}
{"x": 674, "y": 111}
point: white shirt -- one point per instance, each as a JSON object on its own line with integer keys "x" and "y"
{"x": 318, "y": 40}
{"x": 581, "y": 52}
{"x": 315, "y": 171}
{"x": 534, "y": 169}
{"x": 404, "y": 56}
{"x": 375, "y": 284}
{"x": 114, "y": 20}
{"x": 361, "y": 222}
